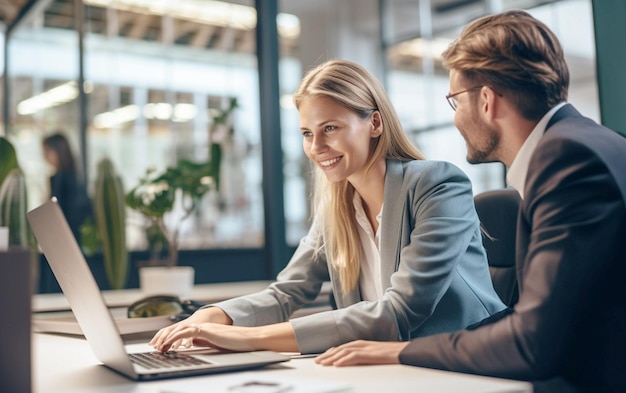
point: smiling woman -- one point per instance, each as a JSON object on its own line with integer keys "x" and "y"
{"x": 397, "y": 235}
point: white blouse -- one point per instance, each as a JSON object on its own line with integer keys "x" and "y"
{"x": 370, "y": 281}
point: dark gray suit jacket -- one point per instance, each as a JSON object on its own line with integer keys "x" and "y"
{"x": 570, "y": 321}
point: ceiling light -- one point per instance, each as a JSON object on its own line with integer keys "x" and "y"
{"x": 48, "y": 99}
{"x": 116, "y": 117}
{"x": 421, "y": 47}
{"x": 211, "y": 12}
{"x": 184, "y": 112}
{"x": 159, "y": 111}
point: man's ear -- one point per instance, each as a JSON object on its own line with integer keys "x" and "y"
{"x": 377, "y": 124}
{"x": 489, "y": 102}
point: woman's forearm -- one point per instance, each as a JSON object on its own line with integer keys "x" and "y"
{"x": 211, "y": 314}
{"x": 278, "y": 337}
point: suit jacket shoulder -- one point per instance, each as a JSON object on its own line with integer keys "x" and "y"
{"x": 569, "y": 127}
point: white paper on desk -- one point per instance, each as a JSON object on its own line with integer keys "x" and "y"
{"x": 65, "y": 323}
{"x": 270, "y": 385}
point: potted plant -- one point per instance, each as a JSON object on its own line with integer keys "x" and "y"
{"x": 154, "y": 197}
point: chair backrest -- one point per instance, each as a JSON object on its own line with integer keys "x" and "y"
{"x": 497, "y": 211}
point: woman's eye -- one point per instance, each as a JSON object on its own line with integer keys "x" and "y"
{"x": 330, "y": 128}
{"x": 306, "y": 134}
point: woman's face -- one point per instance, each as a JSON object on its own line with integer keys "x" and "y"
{"x": 51, "y": 156}
{"x": 336, "y": 139}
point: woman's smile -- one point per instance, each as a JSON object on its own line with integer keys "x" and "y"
{"x": 330, "y": 163}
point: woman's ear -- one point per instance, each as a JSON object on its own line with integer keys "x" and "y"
{"x": 377, "y": 124}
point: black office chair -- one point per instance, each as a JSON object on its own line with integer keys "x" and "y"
{"x": 497, "y": 211}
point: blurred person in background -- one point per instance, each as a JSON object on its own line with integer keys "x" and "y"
{"x": 65, "y": 183}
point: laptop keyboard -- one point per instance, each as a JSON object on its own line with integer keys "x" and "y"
{"x": 164, "y": 359}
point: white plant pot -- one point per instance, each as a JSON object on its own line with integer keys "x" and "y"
{"x": 165, "y": 280}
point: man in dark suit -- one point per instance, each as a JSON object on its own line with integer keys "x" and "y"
{"x": 509, "y": 81}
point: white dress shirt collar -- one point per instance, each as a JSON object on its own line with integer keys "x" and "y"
{"x": 516, "y": 175}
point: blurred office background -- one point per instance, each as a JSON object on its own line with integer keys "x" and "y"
{"x": 137, "y": 81}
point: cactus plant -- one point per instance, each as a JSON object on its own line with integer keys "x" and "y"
{"x": 8, "y": 158}
{"x": 13, "y": 208}
{"x": 13, "y": 198}
{"x": 110, "y": 219}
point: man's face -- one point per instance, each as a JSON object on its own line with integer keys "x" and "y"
{"x": 482, "y": 140}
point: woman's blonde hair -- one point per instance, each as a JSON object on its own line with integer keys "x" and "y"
{"x": 355, "y": 88}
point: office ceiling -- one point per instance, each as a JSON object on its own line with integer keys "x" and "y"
{"x": 129, "y": 21}
{"x": 136, "y": 25}
{"x": 59, "y": 12}
{"x": 9, "y": 10}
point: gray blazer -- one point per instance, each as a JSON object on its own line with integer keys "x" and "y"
{"x": 434, "y": 269}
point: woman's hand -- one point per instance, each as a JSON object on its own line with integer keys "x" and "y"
{"x": 210, "y": 314}
{"x": 362, "y": 352}
{"x": 232, "y": 338}
{"x": 196, "y": 331}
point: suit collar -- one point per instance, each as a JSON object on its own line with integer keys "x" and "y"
{"x": 566, "y": 111}
{"x": 516, "y": 175}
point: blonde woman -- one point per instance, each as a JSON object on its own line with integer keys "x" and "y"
{"x": 396, "y": 235}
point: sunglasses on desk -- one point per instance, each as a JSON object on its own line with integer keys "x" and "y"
{"x": 160, "y": 305}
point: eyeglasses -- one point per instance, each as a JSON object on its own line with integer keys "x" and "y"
{"x": 453, "y": 102}
{"x": 160, "y": 305}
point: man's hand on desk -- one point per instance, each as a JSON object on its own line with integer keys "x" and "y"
{"x": 362, "y": 352}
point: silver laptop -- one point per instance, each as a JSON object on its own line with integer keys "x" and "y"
{"x": 98, "y": 325}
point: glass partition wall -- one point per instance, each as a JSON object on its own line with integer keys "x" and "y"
{"x": 43, "y": 95}
{"x": 157, "y": 80}
{"x": 156, "y": 77}
{"x": 160, "y": 75}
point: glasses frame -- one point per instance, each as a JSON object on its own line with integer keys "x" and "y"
{"x": 453, "y": 102}
{"x": 187, "y": 307}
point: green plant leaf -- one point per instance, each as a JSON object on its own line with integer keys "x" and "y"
{"x": 8, "y": 158}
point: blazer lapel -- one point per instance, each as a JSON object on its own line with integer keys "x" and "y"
{"x": 523, "y": 225}
{"x": 390, "y": 231}
{"x": 393, "y": 211}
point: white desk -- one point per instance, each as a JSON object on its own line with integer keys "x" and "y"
{"x": 67, "y": 365}
{"x": 209, "y": 293}
{"x": 51, "y": 311}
